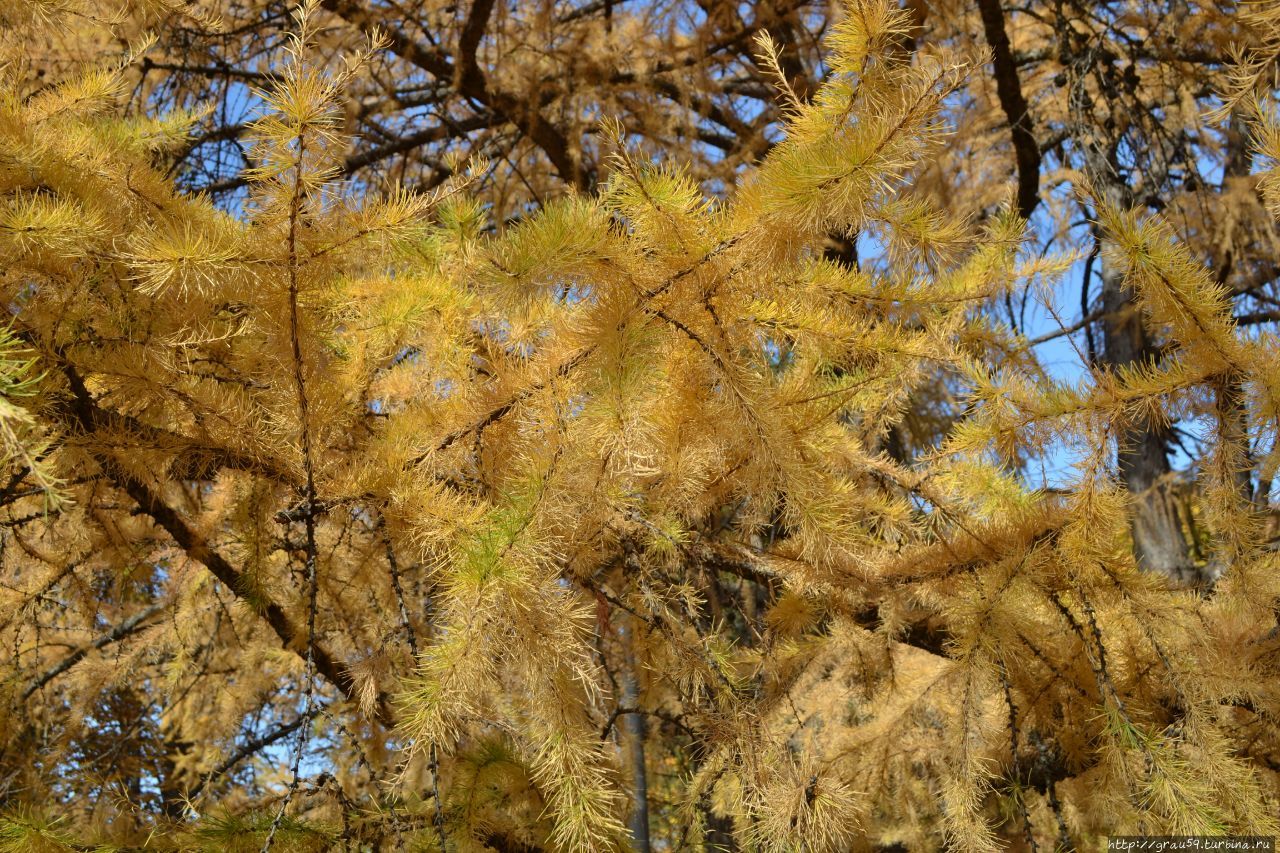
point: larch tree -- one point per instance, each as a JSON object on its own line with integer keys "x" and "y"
{"x": 542, "y": 427}
{"x": 522, "y": 84}
{"x": 1112, "y": 93}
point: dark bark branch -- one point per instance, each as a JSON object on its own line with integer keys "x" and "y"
{"x": 1254, "y": 318}
{"x": 249, "y": 749}
{"x": 514, "y": 109}
{"x": 1009, "y": 89}
{"x": 1089, "y": 319}
{"x": 129, "y": 626}
{"x": 198, "y": 461}
{"x": 465, "y": 66}
{"x": 86, "y": 415}
{"x": 291, "y": 636}
{"x": 402, "y": 145}
{"x": 506, "y": 407}
{"x": 221, "y": 70}
{"x": 407, "y": 143}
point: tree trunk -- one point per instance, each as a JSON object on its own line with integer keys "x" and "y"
{"x": 634, "y": 726}
{"x": 1159, "y": 544}
{"x": 1158, "y": 540}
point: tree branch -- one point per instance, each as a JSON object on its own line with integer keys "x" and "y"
{"x": 86, "y": 414}
{"x": 1009, "y": 89}
{"x": 512, "y": 108}
{"x": 249, "y": 749}
{"x": 132, "y": 625}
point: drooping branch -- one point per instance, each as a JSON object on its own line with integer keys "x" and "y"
{"x": 194, "y": 545}
{"x": 86, "y": 414}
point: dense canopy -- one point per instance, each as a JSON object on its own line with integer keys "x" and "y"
{"x": 627, "y": 425}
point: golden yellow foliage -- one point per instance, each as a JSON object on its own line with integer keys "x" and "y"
{"x": 357, "y": 520}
